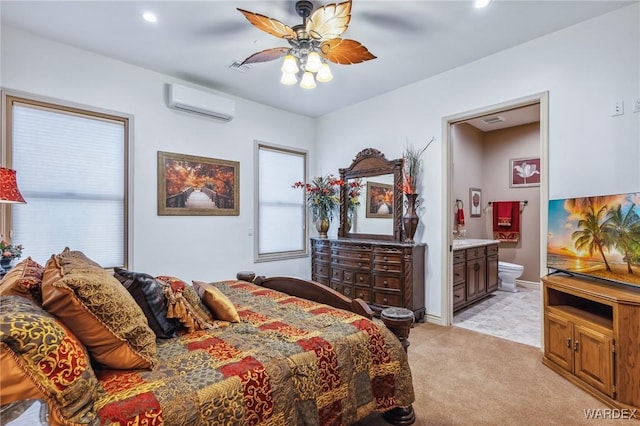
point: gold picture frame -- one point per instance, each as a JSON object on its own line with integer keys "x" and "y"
{"x": 379, "y": 200}
{"x": 189, "y": 185}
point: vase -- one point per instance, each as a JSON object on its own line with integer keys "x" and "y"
{"x": 322, "y": 226}
{"x": 5, "y": 263}
{"x": 349, "y": 220}
{"x": 410, "y": 219}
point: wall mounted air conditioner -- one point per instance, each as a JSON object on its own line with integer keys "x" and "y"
{"x": 196, "y": 101}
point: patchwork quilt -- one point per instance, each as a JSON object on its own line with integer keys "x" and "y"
{"x": 289, "y": 361}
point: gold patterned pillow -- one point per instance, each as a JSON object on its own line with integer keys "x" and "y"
{"x": 222, "y": 308}
{"x": 41, "y": 359}
{"x": 185, "y": 305}
{"x": 99, "y": 310}
{"x": 24, "y": 279}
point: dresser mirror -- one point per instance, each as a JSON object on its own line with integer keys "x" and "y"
{"x": 378, "y": 215}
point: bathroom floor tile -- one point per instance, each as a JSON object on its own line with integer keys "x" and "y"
{"x": 512, "y": 316}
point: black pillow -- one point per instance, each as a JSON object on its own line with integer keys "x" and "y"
{"x": 148, "y": 293}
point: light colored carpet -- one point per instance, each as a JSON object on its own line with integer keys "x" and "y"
{"x": 463, "y": 377}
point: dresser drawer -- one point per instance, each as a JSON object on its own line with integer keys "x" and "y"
{"x": 387, "y": 299}
{"x": 492, "y": 249}
{"x": 459, "y": 295}
{"x": 458, "y": 273}
{"x": 476, "y": 252}
{"x": 362, "y": 279}
{"x": 458, "y": 256}
{"x": 385, "y": 281}
{"x": 321, "y": 280}
{"x": 348, "y": 262}
{"x": 386, "y": 257}
{"x": 362, "y": 293}
{"x": 351, "y": 251}
{"x": 388, "y": 267}
{"x": 321, "y": 269}
{"x": 321, "y": 257}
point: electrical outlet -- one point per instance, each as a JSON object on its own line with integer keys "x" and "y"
{"x": 617, "y": 108}
{"x": 636, "y": 105}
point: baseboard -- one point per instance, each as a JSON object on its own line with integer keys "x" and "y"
{"x": 434, "y": 319}
{"x": 528, "y": 284}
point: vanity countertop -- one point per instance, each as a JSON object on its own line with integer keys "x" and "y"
{"x": 472, "y": 242}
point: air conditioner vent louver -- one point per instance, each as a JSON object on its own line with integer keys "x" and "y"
{"x": 237, "y": 65}
{"x": 493, "y": 120}
{"x": 203, "y": 103}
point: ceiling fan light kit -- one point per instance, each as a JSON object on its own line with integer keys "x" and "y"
{"x": 313, "y": 43}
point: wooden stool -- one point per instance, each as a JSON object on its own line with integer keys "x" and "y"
{"x": 399, "y": 321}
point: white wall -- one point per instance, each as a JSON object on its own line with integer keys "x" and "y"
{"x": 204, "y": 247}
{"x": 584, "y": 68}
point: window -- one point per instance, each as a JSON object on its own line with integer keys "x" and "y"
{"x": 71, "y": 167}
{"x": 281, "y": 214}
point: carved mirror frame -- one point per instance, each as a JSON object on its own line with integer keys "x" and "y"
{"x": 371, "y": 162}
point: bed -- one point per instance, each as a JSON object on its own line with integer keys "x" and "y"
{"x": 296, "y": 353}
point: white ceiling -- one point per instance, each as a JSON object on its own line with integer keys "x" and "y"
{"x": 198, "y": 40}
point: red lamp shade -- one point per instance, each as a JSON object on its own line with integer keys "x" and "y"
{"x": 9, "y": 192}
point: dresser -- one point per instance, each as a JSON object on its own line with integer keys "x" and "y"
{"x": 382, "y": 273}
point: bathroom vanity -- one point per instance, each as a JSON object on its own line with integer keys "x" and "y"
{"x": 475, "y": 270}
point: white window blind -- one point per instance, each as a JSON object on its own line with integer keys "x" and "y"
{"x": 71, "y": 172}
{"x": 281, "y": 210}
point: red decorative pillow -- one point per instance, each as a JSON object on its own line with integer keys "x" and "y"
{"x": 25, "y": 279}
{"x": 42, "y": 359}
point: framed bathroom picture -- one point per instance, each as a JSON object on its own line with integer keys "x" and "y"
{"x": 379, "y": 200}
{"x": 524, "y": 172}
{"x": 475, "y": 202}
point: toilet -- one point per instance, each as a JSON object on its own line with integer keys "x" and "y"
{"x": 508, "y": 273}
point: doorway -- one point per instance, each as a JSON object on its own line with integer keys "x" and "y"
{"x": 471, "y": 122}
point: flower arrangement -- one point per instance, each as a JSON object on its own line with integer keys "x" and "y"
{"x": 323, "y": 195}
{"x": 10, "y": 251}
{"x": 412, "y": 167}
{"x": 354, "y": 189}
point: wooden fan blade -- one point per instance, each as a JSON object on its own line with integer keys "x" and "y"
{"x": 268, "y": 25}
{"x": 266, "y": 55}
{"x": 344, "y": 51}
{"x": 330, "y": 21}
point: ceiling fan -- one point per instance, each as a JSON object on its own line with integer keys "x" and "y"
{"x": 312, "y": 43}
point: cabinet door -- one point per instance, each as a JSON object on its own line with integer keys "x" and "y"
{"x": 476, "y": 278}
{"x": 593, "y": 358}
{"x": 492, "y": 273}
{"x": 558, "y": 340}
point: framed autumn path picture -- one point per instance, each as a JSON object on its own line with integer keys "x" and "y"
{"x": 193, "y": 186}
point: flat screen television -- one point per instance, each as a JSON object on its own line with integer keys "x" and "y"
{"x": 596, "y": 236}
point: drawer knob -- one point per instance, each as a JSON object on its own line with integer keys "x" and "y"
{"x": 361, "y": 295}
{"x": 457, "y": 296}
{"x": 385, "y": 258}
{"x": 385, "y": 300}
{"x": 386, "y": 284}
{"x": 360, "y": 255}
{"x": 386, "y": 267}
{"x": 360, "y": 264}
{"x": 347, "y": 291}
{"x": 361, "y": 279}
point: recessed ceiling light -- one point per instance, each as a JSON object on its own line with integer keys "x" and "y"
{"x": 149, "y": 17}
{"x": 481, "y": 3}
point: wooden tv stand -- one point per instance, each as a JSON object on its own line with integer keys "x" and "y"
{"x": 592, "y": 337}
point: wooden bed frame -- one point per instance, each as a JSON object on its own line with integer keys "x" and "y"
{"x": 317, "y": 292}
